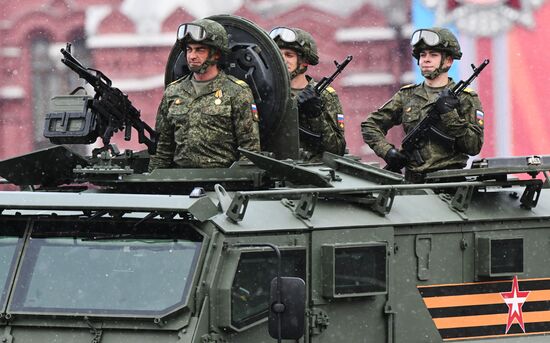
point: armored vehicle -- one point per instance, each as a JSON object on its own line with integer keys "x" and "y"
{"x": 95, "y": 249}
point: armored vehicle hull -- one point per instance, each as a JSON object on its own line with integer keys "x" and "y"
{"x": 382, "y": 261}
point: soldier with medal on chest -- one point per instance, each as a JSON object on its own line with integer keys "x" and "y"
{"x": 204, "y": 117}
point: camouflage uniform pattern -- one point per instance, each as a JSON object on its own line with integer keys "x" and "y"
{"x": 326, "y": 124}
{"x": 410, "y": 105}
{"x": 204, "y": 130}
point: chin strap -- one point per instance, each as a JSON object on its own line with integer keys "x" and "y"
{"x": 299, "y": 69}
{"x": 430, "y": 75}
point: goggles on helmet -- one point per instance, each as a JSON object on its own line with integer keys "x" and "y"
{"x": 285, "y": 34}
{"x": 196, "y": 32}
{"x": 429, "y": 37}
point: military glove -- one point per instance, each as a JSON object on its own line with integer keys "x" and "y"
{"x": 446, "y": 102}
{"x": 309, "y": 102}
{"x": 395, "y": 159}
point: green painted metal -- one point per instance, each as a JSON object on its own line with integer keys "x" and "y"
{"x": 428, "y": 243}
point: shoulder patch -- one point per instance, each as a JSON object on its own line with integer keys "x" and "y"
{"x": 176, "y": 81}
{"x": 469, "y": 91}
{"x": 479, "y": 117}
{"x": 383, "y": 105}
{"x": 330, "y": 89}
{"x": 237, "y": 81}
{"x": 412, "y": 85}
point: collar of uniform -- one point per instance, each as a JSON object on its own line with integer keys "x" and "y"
{"x": 311, "y": 81}
{"x": 187, "y": 85}
{"x": 216, "y": 84}
{"x": 451, "y": 83}
{"x": 421, "y": 91}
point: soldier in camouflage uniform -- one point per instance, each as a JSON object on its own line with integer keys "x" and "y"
{"x": 204, "y": 117}
{"x": 461, "y": 118}
{"x": 320, "y": 116}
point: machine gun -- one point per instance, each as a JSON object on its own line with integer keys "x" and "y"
{"x": 411, "y": 143}
{"x": 320, "y": 87}
{"x": 78, "y": 119}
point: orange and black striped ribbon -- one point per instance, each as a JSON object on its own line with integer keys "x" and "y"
{"x": 477, "y": 310}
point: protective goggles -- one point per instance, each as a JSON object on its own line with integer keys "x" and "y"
{"x": 430, "y": 38}
{"x": 196, "y": 32}
{"x": 285, "y": 34}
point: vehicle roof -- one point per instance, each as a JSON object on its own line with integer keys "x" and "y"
{"x": 290, "y": 196}
{"x": 407, "y": 210}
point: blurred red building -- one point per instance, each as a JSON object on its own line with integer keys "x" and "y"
{"x": 130, "y": 41}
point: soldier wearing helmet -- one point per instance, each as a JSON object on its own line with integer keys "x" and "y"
{"x": 460, "y": 117}
{"x": 205, "y": 116}
{"x": 320, "y": 115}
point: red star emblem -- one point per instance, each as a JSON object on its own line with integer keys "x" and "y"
{"x": 515, "y": 300}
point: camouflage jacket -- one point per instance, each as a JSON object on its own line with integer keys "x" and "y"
{"x": 408, "y": 106}
{"x": 204, "y": 130}
{"x": 329, "y": 125}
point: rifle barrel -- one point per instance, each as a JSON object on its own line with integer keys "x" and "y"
{"x": 463, "y": 84}
{"x": 326, "y": 81}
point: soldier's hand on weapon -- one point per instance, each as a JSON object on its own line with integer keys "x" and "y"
{"x": 309, "y": 102}
{"x": 395, "y": 159}
{"x": 446, "y": 102}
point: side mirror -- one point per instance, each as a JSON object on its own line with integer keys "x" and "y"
{"x": 287, "y": 308}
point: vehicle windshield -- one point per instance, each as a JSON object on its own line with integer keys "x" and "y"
{"x": 148, "y": 276}
{"x": 8, "y": 248}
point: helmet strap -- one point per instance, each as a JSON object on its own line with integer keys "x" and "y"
{"x": 430, "y": 75}
{"x": 299, "y": 69}
{"x": 444, "y": 56}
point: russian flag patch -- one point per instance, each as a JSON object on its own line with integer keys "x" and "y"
{"x": 254, "y": 112}
{"x": 479, "y": 117}
{"x": 340, "y": 118}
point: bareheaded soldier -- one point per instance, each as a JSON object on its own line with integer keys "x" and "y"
{"x": 204, "y": 117}
{"x": 321, "y": 117}
{"x": 459, "y": 117}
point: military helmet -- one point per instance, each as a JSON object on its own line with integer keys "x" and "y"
{"x": 204, "y": 31}
{"x": 298, "y": 40}
{"x": 435, "y": 38}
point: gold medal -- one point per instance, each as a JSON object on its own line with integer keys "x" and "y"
{"x": 218, "y": 95}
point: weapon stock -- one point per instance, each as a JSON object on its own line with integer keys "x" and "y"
{"x": 113, "y": 110}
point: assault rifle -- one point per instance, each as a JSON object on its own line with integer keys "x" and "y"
{"x": 320, "y": 87}
{"x": 326, "y": 81}
{"x": 109, "y": 111}
{"x": 412, "y": 141}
